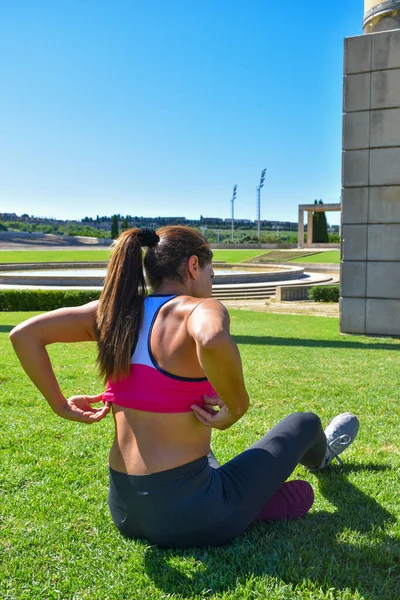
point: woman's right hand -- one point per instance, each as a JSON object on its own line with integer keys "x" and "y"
{"x": 218, "y": 419}
{"x": 79, "y": 408}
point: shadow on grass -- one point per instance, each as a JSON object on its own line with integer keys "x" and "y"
{"x": 343, "y": 549}
{"x": 6, "y": 328}
{"x": 259, "y": 340}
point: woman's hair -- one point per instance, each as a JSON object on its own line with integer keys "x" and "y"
{"x": 120, "y": 310}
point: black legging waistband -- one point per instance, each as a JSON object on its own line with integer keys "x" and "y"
{"x": 162, "y": 479}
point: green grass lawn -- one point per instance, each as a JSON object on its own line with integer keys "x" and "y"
{"x": 57, "y": 540}
{"x": 34, "y": 256}
{"x": 233, "y": 256}
{"x": 328, "y": 257}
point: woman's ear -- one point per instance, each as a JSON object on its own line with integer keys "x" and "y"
{"x": 193, "y": 266}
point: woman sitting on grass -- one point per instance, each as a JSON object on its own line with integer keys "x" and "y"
{"x": 173, "y": 373}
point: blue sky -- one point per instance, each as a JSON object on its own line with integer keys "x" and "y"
{"x": 158, "y": 107}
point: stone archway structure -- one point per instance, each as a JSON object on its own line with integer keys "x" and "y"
{"x": 310, "y": 208}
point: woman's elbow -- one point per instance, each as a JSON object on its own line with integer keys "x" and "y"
{"x": 13, "y": 335}
{"x": 242, "y": 406}
{"x": 18, "y": 334}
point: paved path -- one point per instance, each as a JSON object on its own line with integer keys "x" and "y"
{"x": 315, "y": 309}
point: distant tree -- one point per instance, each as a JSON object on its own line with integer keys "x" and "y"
{"x": 324, "y": 227}
{"x": 315, "y": 222}
{"x": 124, "y": 224}
{"x": 114, "y": 227}
{"x": 320, "y": 227}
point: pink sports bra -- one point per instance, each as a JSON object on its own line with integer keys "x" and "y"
{"x": 149, "y": 387}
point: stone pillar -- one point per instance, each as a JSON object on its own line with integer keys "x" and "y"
{"x": 370, "y": 268}
{"x": 300, "y": 229}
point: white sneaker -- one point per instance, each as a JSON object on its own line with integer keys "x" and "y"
{"x": 340, "y": 433}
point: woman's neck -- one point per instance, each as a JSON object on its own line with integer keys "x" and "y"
{"x": 172, "y": 288}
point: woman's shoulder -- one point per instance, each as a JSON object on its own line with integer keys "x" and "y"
{"x": 191, "y": 303}
{"x": 204, "y": 310}
{"x": 185, "y": 308}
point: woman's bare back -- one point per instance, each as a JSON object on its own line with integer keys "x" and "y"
{"x": 148, "y": 442}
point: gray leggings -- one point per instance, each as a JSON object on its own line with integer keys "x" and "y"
{"x": 204, "y": 504}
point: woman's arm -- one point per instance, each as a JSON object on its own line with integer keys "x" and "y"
{"x": 220, "y": 359}
{"x": 30, "y": 339}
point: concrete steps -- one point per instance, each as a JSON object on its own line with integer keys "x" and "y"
{"x": 236, "y": 294}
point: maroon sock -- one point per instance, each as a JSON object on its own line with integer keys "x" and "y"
{"x": 292, "y": 501}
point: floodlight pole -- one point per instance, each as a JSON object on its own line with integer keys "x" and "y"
{"x": 262, "y": 179}
{"x": 233, "y": 210}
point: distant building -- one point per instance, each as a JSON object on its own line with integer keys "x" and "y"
{"x": 210, "y": 220}
{"x": 285, "y": 225}
{"x": 9, "y": 217}
{"x": 239, "y": 221}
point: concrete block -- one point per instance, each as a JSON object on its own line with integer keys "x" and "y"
{"x": 384, "y": 128}
{"x": 385, "y": 89}
{"x": 382, "y": 317}
{"x": 384, "y": 205}
{"x": 354, "y": 240}
{"x": 352, "y": 315}
{"x": 357, "y": 54}
{"x": 383, "y": 242}
{"x": 383, "y": 280}
{"x": 357, "y": 92}
{"x": 286, "y": 293}
{"x": 386, "y": 50}
{"x": 384, "y": 166}
{"x": 353, "y": 279}
{"x": 354, "y": 205}
{"x": 355, "y": 165}
{"x": 356, "y": 130}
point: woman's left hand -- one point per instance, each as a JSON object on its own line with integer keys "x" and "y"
{"x": 221, "y": 418}
{"x": 79, "y": 408}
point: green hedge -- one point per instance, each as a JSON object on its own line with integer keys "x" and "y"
{"x": 324, "y": 293}
{"x": 14, "y": 300}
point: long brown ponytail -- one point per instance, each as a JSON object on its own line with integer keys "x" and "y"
{"x": 120, "y": 310}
